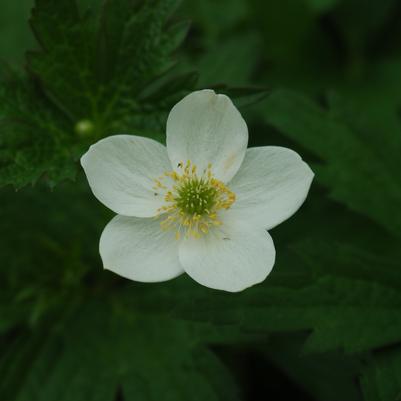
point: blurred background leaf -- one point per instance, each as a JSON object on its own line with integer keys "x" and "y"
{"x": 319, "y": 76}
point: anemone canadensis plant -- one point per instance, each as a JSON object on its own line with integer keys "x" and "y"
{"x": 200, "y": 205}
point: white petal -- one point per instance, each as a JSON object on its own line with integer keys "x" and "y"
{"x": 138, "y": 249}
{"x": 229, "y": 259}
{"x": 120, "y": 170}
{"x": 207, "y": 128}
{"x": 271, "y": 185}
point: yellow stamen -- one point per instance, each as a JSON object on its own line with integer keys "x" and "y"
{"x": 192, "y": 202}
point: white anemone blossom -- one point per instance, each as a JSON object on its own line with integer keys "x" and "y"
{"x": 200, "y": 205}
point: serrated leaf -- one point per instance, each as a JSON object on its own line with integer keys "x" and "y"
{"x": 353, "y": 169}
{"x": 97, "y": 71}
{"x": 347, "y": 314}
{"x": 91, "y": 68}
{"x": 35, "y": 138}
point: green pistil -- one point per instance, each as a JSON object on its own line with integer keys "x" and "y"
{"x": 196, "y": 196}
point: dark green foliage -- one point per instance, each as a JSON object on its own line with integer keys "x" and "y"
{"x": 319, "y": 76}
{"x": 107, "y": 69}
{"x": 83, "y": 327}
{"x": 35, "y": 139}
{"x": 104, "y": 352}
{"x": 327, "y": 376}
{"x": 359, "y": 173}
{"x": 15, "y": 34}
{"x": 343, "y": 314}
{"x": 91, "y": 66}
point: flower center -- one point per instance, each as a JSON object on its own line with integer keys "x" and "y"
{"x": 192, "y": 200}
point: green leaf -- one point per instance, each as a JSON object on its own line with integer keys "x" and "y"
{"x": 35, "y": 138}
{"x": 96, "y": 70}
{"x": 105, "y": 350}
{"x": 92, "y": 70}
{"x": 355, "y": 170}
{"x": 347, "y": 260}
{"x": 347, "y": 314}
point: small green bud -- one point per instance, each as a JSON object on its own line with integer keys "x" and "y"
{"x": 84, "y": 128}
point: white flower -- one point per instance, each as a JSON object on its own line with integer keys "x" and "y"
{"x": 202, "y": 204}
